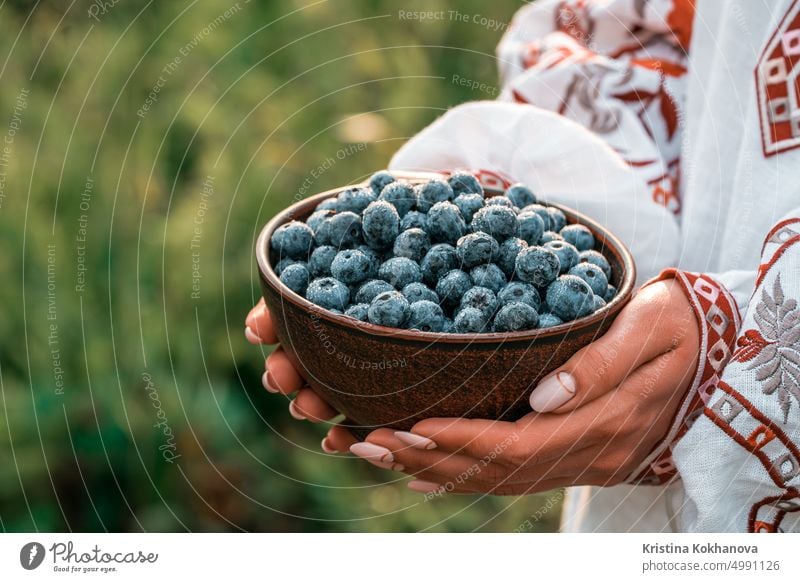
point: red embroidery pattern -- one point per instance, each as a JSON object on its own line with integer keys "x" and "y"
{"x": 719, "y": 322}
{"x": 752, "y": 430}
{"x": 778, "y": 86}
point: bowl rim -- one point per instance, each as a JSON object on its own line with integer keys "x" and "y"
{"x": 269, "y": 277}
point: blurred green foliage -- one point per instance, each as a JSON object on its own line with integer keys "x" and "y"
{"x": 250, "y": 101}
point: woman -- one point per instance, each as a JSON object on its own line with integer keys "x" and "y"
{"x": 679, "y": 128}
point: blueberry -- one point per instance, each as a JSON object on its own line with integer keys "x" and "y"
{"x": 611, "y": 292}
{"x": 537, "y": 265}
{"x": 328, "y": 204}
{"x": 438, "y": 261}
{"x": 320, "y": 262}
{"x": 419, "y": 292}
{"x": 468, "y": 205}
{"x": 426, "y": 316}
{"x": 549, "y": 320}
{"x": 355, "y": 199}
{"x": 317, "y": 217}
{"x": 401, "y": 195}
{"x": 296, "y": 277}
{"x": 358, "y": 311}
{"x": 599, "y": 303}
{"x": 518, "y": 292}
{"x": 351, "y": 266}
{"x": 557, "y": 218}
{"x": 329, "y": 293}
{"x": 596, "y": 258}
{"x": 476, "y": 249}
{"x": 488, "y": 276}
{"x": 379, "y": 181}
{"x": 507, "y": 255}
{"x": 432, "y": 192}
{"x": 389, "y": 309}
{"x": 593, "y": 275}
{"x": 570, "y": 297}
{"x": 578, "y": 236}
{"x": 448, "y": 326}
{"x": 375, "y": 259}
{"x": 445, "y": 223}
{"x": 412, "y": 244}
{"x": 567, "y": 254}
{"x": 498, "y": 221}
{"x": 520, "y": 195}
{"x": 549, "y": 236}
{"x": 482, "y": 299}
{"x": 381, "y": 224}
{"x": 464, "y": 183}
{"x": 543, "y": 214}
{"x": 414, "y": 219}
{"x": 293, "y": 240}
{"x": 470, "y": 320}
{"x": 515, "y": 316}
{"x": 531, "y": 227}
{"x": 500, "y": 201}
{"x": 342, "y": 231}
{"x": 371, "y": 289}
{"x": 452, "y": 286}
{"x": 283, "y": 263}
{"x": 400, "y": 271}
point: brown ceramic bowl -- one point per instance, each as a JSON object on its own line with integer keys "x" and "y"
{"x": 380, "y": 376}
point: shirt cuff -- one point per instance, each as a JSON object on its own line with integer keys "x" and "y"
{"x": 718, "y": 321}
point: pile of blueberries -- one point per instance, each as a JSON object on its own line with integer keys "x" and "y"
{"x": 441, "y": 257}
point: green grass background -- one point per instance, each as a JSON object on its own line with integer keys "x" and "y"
{"x": 267, "y": 94}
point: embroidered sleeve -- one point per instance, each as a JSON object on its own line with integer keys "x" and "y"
{"x": 740, "y": 460}
{"x": 615, "y": 66}
{"x": 718, "y": 322}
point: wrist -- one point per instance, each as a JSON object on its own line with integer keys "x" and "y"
{"x": 717, "y": 319}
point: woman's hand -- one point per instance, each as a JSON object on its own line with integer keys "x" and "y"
{"x": 281, "y": 377}
{"x": 598, "y": 416}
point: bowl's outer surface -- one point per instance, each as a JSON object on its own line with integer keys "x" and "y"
{"x": 378, "y": 376}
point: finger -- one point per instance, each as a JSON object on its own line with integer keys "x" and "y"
{"x": 281, "y": 375}
{"x": 338, "y": 440}
{"x": 636, "y": 337}
{"x": 447, "y": 466}
{"x": 259, "y": 328}
{"x": 309, "y": 406}
{"x": 533, "y": 440}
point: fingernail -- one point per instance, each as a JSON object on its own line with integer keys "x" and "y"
{"x": 424, "y": 486}
{"x": 251, "y": 317}
{"x": 553, "y": 392}
{"x": 372, "y": 452}
{"x": 326, "y": 446}
{"x": 251, "y": 336}
{"x": 295, "y": 412}
{"x": 388, "y": 466}
{"x": 415, "y": 440}
{"x": 267, "y": 386}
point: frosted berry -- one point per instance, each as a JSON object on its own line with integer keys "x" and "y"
{"x": 328, "y": 293}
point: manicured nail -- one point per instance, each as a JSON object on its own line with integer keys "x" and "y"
{"x": 372, "y": 452}
{"x": 388, "y": 466}
{"x": 251, "y": 336}
{"x": 267, "y": 386}
{"x": 415, "y": 440}
{"x": 295, "y": 412}
{"x": 553, "y": 392}
{"x": 326, "y": 446}
{"x": 251, "y": 317}
{"x": 424, "y": 486}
